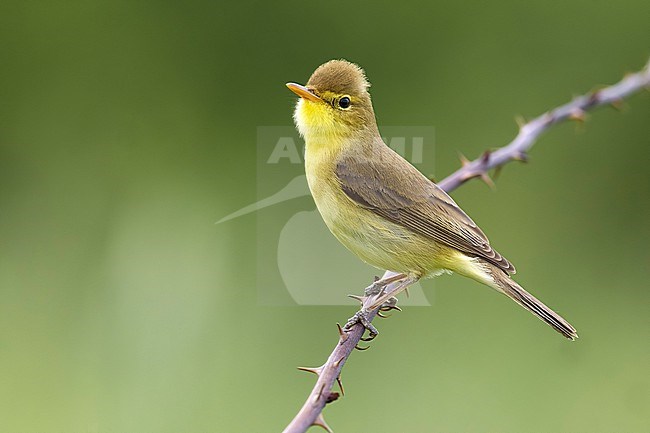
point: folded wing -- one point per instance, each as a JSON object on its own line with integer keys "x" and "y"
{"x": 427, "y": 210}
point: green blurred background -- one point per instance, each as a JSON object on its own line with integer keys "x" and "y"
{"x": 128, "y": 128}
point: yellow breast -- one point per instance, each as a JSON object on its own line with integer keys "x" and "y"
{"x": 372, "y": 238}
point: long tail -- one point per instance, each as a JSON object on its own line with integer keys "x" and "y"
{"x": 509, "y": 287}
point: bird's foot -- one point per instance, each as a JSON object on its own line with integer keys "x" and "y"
{"x": 361, "y": 317}
{"x": 390, "y": 304}
{"x": 385, "y": 296}
{"x": 379, "y": 299}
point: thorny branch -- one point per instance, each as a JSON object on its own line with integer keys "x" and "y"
{"x": 517, "y": 150}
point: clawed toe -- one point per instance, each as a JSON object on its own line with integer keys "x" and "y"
{"x": 361, "y": 316}
{"x": 390, "y": 304}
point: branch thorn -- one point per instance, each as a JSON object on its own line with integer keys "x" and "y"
{"x": 521, "y": 121}
{"x": 338, "y": 380}
{"x": 361, "y": 299}
{"x": 486, "y": 156}
{"x": 320, "y": 421}
{"x": 342, "y": 333}
{"x": 486, "y": 179}
{"x": 463, "y": 161}
{"x": 316, "y": 370}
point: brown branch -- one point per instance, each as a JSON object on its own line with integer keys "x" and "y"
{"x": 529, "y": 132}
{"x": 311, "y": 412}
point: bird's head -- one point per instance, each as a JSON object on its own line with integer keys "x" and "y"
{"x": 335, "y": 103}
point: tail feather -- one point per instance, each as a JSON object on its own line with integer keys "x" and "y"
{"x": 517, "y": 293}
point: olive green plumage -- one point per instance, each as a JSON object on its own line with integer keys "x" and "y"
{"x": 381, "y": 207}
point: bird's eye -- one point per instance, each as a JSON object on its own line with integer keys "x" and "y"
{"x": 344, "y": 102}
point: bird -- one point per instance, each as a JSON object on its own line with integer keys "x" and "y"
{"x": 380, "y": 207}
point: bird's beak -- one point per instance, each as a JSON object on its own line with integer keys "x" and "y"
{"x": 303, "y": 92}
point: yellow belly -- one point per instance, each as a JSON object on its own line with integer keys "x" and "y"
{"x": 373, "y": 239}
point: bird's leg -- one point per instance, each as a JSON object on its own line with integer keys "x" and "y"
{"x": 383, "y": 299}
{"x": 378, "y": 286}
{"x": 387, "y": 295}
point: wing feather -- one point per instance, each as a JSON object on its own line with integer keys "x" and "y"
{"x": 427, "y": 210}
